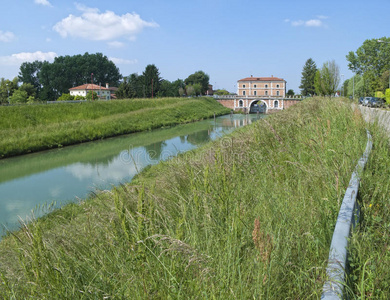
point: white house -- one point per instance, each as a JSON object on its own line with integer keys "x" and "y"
{"x": 82, "y": 90}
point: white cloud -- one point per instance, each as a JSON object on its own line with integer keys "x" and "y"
{"x": 313, "y": 23}
{"x": 18, "y": 58}
{"x": 121, "y": 61}
{"x": 309, "y": 23}
{"x": 297, "y": 23}
{"x": 93, "y": 25}
{"x": 43, "y": 2}
{"x": 6, "y": 36}
{"x": 115, "y": 44}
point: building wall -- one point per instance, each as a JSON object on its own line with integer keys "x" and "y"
{"x": 261, "y": 88}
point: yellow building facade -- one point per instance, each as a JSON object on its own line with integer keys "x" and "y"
{"x": 261, "y": 87}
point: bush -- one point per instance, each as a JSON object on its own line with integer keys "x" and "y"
{"x": 66, "y": 97}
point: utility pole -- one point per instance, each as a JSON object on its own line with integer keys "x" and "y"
{"x": 92, "y": 84}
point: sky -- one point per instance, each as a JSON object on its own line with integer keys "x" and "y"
{"x": 229, "y": 40}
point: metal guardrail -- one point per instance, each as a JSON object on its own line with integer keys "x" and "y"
{"x": 347, "y": 219}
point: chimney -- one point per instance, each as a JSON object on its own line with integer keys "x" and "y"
{"x": 251, "y": 75}
{"x": 107, "y": 85}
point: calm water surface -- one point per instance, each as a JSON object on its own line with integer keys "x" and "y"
{"x": 32, "y": 182}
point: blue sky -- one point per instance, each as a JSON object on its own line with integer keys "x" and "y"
{"x": 228, "y": 40}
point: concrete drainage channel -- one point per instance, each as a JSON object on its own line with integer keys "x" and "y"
{"x": 348, "y": 217}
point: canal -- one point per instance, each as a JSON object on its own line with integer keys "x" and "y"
{"x": 44, "y": 180}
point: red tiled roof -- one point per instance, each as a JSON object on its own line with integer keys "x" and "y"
{"x": 262, "y": 79}
{"x": 88, "y": 86}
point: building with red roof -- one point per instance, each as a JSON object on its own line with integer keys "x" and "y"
{"x": 261, "y": 87}
{"x": 101, "y": 91}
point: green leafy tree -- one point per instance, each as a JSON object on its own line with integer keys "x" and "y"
{"x": 28, "y": 74}
{"x": 18, "y": 96}
{"x": 221, "y": 92}
{"x": 307, "y": 79}
{"x": 327, "y": 79}
{"x": 29, "y": 89}
{"x": 7, "y": 88}
{"x": 291, "y": 93}
{"x": 151, "y": 81}
{"x": 131, "y": 87}
{"x": 372, "y": 60}
{"x": 201, "y": 78}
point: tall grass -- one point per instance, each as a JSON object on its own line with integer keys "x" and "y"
{"x": 248, "y": 216}
{"x": 26, "y": 129}
{"x": 370, "y": 244}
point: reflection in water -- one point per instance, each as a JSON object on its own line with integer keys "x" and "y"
{"x": 61, "y": 175}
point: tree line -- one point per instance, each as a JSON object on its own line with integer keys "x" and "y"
{"x": 370, "y": 63}
{"x": 43, "y": 81}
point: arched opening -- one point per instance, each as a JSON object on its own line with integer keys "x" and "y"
{"x": 240, "y": 103}
{"x": 258, "y": 106}
{"x": 276, "y": 103}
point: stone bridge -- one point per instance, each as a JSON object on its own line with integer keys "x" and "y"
{"x": 252, "y": 104}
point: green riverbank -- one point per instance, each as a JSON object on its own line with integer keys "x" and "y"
{"x": 248, "y": 216}
{"x": 31, "y": 128}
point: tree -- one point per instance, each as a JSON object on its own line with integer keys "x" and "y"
{"x": 28, "y": 74}
{"x": 291, "y": 93}
{"x": 199, "y": 77}
{"x": 221, "y": 92}
{"x": 131, "y": 87}
{"x": 327, "y": 79}
{"x": 91, "y": 95}
{"x": 372, "y": 60}
{"x": 307, "y": 79}
{"x": 7, "y": 88}
{"x": 29, "y": 89}
{"x": 151, "y": 81}
{"x": 53, "y": 79}
{"x": 18, "y": 96}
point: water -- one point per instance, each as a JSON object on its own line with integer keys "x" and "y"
{"x": 56, "y": 177}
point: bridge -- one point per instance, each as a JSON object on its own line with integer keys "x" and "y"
{"x": 253, "y": 104}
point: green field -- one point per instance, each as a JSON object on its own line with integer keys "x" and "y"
{"x": 248, "y": 216}
{"x": 31, "y": 128}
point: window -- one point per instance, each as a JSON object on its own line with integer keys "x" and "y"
{"x": 277, "y": 93}
{"x": 240, "y": 103}
{"x": 277, "y": 85}
{"x": 255, "y": 93}
{"x": 243, "y": 86}
{"x": 243, "y": 93}
{"x": 266, "y": 86}
{"x": 255, "y": 86}
{"x": 266, "y": 93}
{"x": 276, "y": 104}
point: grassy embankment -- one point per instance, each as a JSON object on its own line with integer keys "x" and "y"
{"x": 28, "y": 128}
{"x": 370, "y": 243}
{"x": 248, "y": 216}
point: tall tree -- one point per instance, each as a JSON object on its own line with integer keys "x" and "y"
{"x": 372, "y": 60}
{"x": 199, "y": 77}
{"x": 307, "y": 79}
{"x": 327, "y": 79}
{"x": 152, "y": 80}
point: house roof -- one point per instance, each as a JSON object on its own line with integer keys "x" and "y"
{"x": 88, "y": 86}
{"x": 262, "y": 79}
